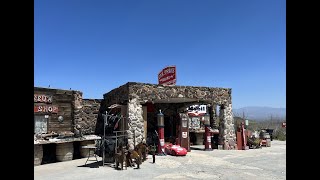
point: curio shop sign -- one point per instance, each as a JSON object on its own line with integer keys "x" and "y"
{"x": 42, "y": 98}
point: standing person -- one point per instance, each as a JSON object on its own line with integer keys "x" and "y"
{"x": 153, "y": 151}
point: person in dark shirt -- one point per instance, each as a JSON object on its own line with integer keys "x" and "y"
{"x": 153, "y": 152}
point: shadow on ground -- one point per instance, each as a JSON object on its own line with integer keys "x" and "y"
{"x": 92, "y": 165}
{"x": 98, "y": 164}
{"x": 197, "y": 148}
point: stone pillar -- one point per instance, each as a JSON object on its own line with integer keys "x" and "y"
{"x": 135, "y": 123}
{"x": 213, "y": 116}
{"x": 77, "y": 109}
{"x": 227, "y": 136}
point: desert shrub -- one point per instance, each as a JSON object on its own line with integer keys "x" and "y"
{"x": 280, "y": 134}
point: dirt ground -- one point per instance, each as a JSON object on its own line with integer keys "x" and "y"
{"x": 265, "y": 163}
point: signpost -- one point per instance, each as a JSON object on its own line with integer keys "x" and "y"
{"x": 167, "y": 76}
{"x": 247, "y": 122}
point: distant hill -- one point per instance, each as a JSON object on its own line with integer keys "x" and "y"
{"x": 261, "y": 113}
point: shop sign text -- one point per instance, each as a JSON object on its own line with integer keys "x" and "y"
{"x": 42, "y": 98}
{"x": 45, "y": 108}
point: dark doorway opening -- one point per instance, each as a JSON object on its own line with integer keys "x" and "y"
{"x": 49, "y": 153}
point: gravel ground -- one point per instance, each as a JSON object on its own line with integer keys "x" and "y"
{"x": 266, "y": 163}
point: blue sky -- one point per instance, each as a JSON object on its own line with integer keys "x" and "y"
{"x": 96, "y": 46}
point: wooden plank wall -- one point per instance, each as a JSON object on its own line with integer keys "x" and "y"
{"x": 63, "y": 100}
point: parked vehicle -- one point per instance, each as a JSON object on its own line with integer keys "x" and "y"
{"x": 175, "y": 150}
{"x": 265, "y": 138}
{"x": 270, "y": 131}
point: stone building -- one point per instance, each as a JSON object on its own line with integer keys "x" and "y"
{"x": 63, "y": 120}
{"x": 141, "y": 102}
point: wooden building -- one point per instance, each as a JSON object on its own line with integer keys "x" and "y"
{"x": 63, "y": 121}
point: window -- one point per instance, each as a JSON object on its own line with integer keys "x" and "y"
{"x": 40, "y": 124}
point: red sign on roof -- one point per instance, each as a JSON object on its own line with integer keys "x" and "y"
{"x": 167, "y": 76}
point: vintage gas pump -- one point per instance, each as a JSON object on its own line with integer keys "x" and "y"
{"x": 160, "y": 119}
{"x": 207, "y": 146}
{"x": 244, "y": 139}
{"x": 184, "y": 132}
{"x": 241, "y": 138}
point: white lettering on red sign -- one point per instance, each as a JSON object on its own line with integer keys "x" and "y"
{"x": 167, "y": 76}
{"x": 42, "y": 98}
{"x": 45, "y": 108}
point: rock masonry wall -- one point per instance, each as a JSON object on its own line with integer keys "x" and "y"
{"x": 136, "y": 122}
{"x": 85, "y": 114}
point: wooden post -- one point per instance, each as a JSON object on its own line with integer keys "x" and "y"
{"x": 145, "y": 116}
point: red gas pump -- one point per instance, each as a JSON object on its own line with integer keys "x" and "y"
{"x": 183, "y": 139}
{"x": 160, "y": 119}
{"x": 241, "y": 138}
{"x": 244, "y": 138}
{"x": 207, "y": 146}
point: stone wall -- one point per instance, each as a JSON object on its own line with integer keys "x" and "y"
{"x": 213, "y": 115}
{"x": 117, "y": 96}
{"x": 227, "y": 136}
{"x": 88, "y": 116}
{"x": 136, "y": 122}
{"x": 85, "y": 113}
{"x": 151, "y": 92}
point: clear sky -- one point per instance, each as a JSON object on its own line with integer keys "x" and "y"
{"x": 96, "y": 46}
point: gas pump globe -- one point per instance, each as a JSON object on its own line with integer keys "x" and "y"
{"x": 206, "y": 118}
{"x": 160, "y": 119}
